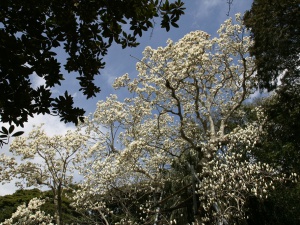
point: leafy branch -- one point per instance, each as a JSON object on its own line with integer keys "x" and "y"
{"x": 7, "y": 133}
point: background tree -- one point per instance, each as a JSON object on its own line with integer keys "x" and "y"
{"x": 276, "y": 33}
{"x": 32, "y": 31}
{"x": 46, "y": 162}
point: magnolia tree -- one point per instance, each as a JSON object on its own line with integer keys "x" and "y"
{"x": 30, "y": 214}
{"x": 45, "y": 162}
{"x": 183, "y": 99}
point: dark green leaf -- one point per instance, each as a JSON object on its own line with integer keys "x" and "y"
{"x": 174, "y": 24}
{"x": 5, "y": 131}
{"x": 11, "y": 129}
{"x": 19, "y": 133}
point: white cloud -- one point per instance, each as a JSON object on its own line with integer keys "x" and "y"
{"x": 52, "y": 124}
{"x": 37, "y": 81}
{"x": 208, "y": 9}
{"x": 7, "y": 189}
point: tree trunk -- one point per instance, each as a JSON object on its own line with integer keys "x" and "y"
{"x": 57, "y": 193}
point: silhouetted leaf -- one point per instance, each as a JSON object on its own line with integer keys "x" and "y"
{"x": 3, "y": 136}
{"x": 4, "y": 130}
{"x": 19, "y": 133}
{"x": 11, "y": 129}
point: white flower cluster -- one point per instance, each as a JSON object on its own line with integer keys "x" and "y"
{"x": 121, "y": 81}
{"x": 6, "y": 163}
{"x": 229, "y": 180}
{"x": 30, "y": 214}
{"x": 46, "y": 160}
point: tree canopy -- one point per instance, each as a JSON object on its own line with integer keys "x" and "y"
{"x": 31, "y": 32}
{"x": 275, "y": 28}
{"x": 170, "y": 142}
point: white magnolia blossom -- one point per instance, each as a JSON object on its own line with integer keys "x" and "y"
{"x": 46, "y": 160}
{"x": 30, "y": 214}
{"x": 231, "y": 177}
{"x": 6, "y": 163}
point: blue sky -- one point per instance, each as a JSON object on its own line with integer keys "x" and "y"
{"x": 206, "y": 15}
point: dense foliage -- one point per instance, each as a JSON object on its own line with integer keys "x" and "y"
{"x": 279, "y": 147}
{"x": 275, "y": 31}
{"x": 281, "y": 141}
{"x": 32, "y": 32}
{"x": 275, "y": 28}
